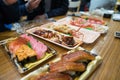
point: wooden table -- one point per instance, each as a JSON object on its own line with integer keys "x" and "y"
{"x": 107, "y": 46}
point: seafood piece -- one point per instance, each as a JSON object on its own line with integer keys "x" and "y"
{"x": 38, "y": 46}
{"x": 15, "y": 44}
{"x": 45, "y": 33}
{"x": 27, "y": 49}
{"x": 68, "y": 40}
{"x": 63, "y": 66}
{"x": 19, "y": 49}
{"x": 23, "y": 52}
{"x": 62, "y": 28}
{"x": 78, "y": 55}
{"x": 52, "y": 76}
{"x": 86, "y": 22}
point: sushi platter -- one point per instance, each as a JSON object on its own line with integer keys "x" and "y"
{"x": 26, "y": 52}
{"x": 76, "y": 64}
{"x": 86, "y": 22}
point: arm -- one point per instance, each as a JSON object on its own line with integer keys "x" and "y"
{"x": 9, "y": 13}
{"x": 28, "y": 7}
{"x": 22, "y": 8}
{"x": 58, "y": 7}
{"x": 9, "y": 2}
{"x": 1, "y": 24}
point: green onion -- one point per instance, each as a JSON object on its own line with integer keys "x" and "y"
{"x": 29, "y": 45}
{"x": 69, "y": 34}
{"x": 89, "y": 28}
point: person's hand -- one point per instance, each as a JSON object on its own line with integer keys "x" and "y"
{"x": 32, "y": 4}
{"x": 9, "y": 2}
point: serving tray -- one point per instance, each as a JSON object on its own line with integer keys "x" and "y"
{"x": 92, "y": 25}
{"x": 87, "y": 36}
{"x": 91, "y": 66}
{"x": 57, "y": 34}
{"x": 28, "y": 66}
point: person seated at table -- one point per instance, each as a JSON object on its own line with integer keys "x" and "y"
{"x": 46, "y": 9}
{"x": 73, "y": 9}
{"x": 118, "y": 8}
{"x": 84, "y": 6}
{"x": 2, "y": 28}
{"x": 9, "y": 13}
{"x": 106, "y": 4}
{"x": 27, "y": 7}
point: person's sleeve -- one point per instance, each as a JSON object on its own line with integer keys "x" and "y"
{"x": 10, "y": 13}
{"x": 22, "y": 8}
{"x": 2, "y": 3}
{"x": 63, "y": 8}
{"x": 2, "y": 27}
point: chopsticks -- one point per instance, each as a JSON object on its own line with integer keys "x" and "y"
{"x": 2, "y": 42}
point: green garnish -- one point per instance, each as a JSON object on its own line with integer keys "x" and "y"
{"x": 69, "y": 34}
{"x": 29, "y": 45}
{"x": 86, "y": 18}
{"x": 89, "y": 28}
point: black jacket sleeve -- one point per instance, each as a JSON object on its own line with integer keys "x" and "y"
{"x": 9, "y": 13}
{"x": 58, "y": 7}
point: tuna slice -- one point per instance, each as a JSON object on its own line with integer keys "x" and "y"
{"x": 38, "y": 46}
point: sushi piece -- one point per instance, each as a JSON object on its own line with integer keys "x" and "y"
{"x": 27, "y": 49}
{"x": 78, "y": 55}
{"x": 15, "y": 44}
{"x": 38, "y": 46}
{"x": 25, "y": 54}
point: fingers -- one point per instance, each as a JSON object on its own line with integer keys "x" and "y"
{"x": 37, "y": 1}
{"x": 34, "y": 3}
{"x": 9, "y": 2}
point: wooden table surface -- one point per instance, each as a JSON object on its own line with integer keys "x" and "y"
{"x": 107, "y": 46}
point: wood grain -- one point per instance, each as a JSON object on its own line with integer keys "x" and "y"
{"x": 107, "y": 46}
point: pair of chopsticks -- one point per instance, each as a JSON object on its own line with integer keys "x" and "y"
{"x": 2, "y": 42}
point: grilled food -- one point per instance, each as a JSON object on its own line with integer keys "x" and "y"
{"x": 63, "y": 66}
{"x": 78, "y": 55}
{"x": 52, "y": 76}
{"x": 67, "y": 68}
{"x": 63, "y": 29}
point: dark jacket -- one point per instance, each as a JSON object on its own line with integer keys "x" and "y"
{"x": 23, "y": 11}
{"x": 8, "y": 14}
{"x": 2, "y": 28}
{"x": 58, "y": 7}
